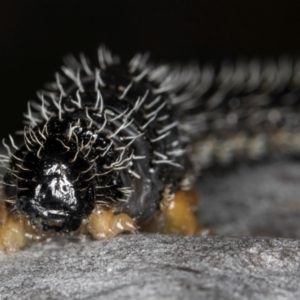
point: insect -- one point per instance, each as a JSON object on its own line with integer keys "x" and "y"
{"x": 111, "y": 147}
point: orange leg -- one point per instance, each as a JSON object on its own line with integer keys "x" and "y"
{"x": 105, "y": 224}
{"x": 16, "y": 231}
{"x": 177, "y": 215}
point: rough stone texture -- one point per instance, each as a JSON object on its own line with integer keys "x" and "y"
{"x": 261, "y": 200}
{"x": 155, "y": 267}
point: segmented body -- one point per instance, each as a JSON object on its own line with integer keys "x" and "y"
{"x": 116, "y": 135}
{"x": 241, "y": 111}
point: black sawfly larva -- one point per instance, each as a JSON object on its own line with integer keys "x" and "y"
{"x": 113, "y": 146}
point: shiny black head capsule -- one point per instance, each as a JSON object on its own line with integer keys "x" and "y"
{"x": 53, "y": 186}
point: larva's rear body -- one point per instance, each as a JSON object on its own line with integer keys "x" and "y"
{"x": 109, "y": 146}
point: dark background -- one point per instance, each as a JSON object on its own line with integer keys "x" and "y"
{"x": 34, "y": 35}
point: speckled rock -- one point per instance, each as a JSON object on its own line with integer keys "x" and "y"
{"x": 154, "y": 267}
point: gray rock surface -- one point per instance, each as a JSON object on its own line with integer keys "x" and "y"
{"x": 155, "y": 267}
{"x": 252, "y": 201}
{"x": 260, "y": 200}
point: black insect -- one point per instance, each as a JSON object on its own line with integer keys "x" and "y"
{"x": 103, "y": 135}
{"x": 129, "y": 138}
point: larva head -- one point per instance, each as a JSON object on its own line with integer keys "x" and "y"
{"x": 52, "y": 186}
